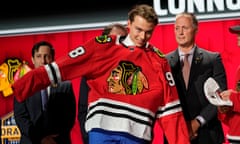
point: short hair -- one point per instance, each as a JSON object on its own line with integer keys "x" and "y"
{"x": 36, "y": 46}
{"x": 190, "y": 15}
{"x": 145, "y": 11}
{"x": 108, "y": 29}
{"x": 235, "y": 29}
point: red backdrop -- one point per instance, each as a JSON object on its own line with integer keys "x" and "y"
{"x": 213, "y": 36}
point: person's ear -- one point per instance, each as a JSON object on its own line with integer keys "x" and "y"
{"x": 32, "y": 60}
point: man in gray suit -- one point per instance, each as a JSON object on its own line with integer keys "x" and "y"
{"x": 51, "y": 121}
{"x": 201, "y": 116}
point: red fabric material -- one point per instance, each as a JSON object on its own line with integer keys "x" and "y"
{"x": 213, "y": 36}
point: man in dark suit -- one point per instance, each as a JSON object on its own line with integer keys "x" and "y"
{"x": 201, "y": 116}
{"x": 51, "y": 121}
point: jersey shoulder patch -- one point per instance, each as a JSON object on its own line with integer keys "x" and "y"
{"x": 158, "y": 52}
{"x": 103, "y": 39}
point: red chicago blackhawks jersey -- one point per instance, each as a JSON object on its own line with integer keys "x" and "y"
{"x": 129, "y": 87}
{"x": 232, "y": 118}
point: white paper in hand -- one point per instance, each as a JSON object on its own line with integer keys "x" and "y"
{"x": 212, "y": 90}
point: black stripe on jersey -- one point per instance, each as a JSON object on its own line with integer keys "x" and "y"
{"x": 159, "y": 112}
{"x": 119, "y": 115}
{"x": 232, "y": 141}
{"x": 120, "y": 107}
{"x": 53, "y": 73}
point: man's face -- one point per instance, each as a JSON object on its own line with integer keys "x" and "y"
{"x": 42, "y": 56}
{"x": 140, "y": 31}
{"x": 184, "y": 31}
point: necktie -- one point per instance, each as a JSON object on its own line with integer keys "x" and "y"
{"x": 186, "y": 69}
{"x": 44, "y": 99}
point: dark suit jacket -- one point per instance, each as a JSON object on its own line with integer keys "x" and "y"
{"x": 205, "y": 64}
{"x": 59, "y": 117}
{"x": 82, "y": 108}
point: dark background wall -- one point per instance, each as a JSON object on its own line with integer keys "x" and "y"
{"x": 18, "y": 16}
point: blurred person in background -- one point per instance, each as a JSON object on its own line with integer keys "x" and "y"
{"x": 230, "y": 115}
{"x": 46, "y": 118}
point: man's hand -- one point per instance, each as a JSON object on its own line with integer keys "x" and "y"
{"x": 224, "y": 109}
{"x": 193, "y": 127}
{"x": 225, "y": 95}
{"x": 50, "y": 139}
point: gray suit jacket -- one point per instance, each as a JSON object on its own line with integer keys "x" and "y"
{"x": 34, "y": 123}
{"x": 205, "y": 64}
